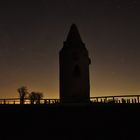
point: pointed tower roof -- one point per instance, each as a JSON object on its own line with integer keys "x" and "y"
{"x": 74, "y": 35}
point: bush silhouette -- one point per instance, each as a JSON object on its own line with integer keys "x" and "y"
{"x": 35, "y": 97}
{"x": 22, "y": 94}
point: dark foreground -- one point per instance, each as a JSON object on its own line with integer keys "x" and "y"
{"x": 97, "y": 122}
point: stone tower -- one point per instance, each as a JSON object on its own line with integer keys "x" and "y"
{"x": 74, "y": 69}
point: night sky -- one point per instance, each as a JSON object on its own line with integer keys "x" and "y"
{"x": 33, "y": 32}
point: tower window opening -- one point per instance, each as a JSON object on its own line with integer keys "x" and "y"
{"x": 76, "y": 71}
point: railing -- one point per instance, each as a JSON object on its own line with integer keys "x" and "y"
{"x": 27, "y": 101}
{"x": 116, "y": 99}
{"x": 129, "y": 99}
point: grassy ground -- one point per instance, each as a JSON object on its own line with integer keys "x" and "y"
{"x": 76, "y": 121}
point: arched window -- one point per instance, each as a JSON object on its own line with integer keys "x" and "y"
{"x": 76, "y": 71}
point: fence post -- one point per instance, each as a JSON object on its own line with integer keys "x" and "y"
{"x": 132, "y": 101}
{"x": 135, "y": 101}
{"x": 97, "y": 100}
{"x": 105, "y": 100}
{"x": 113, "y": 98}
{"x": 45, "y": 102}
{"x": 4, "y": 101}
{"x": 138, "y": 98}
{"x": 101, "y": 100}
{"x": 49, "y": 101}
{"x": 55, "y": 101}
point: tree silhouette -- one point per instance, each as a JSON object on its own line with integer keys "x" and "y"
{"x": 22, "y": 94}
{"x": 35, "y": 97}
{"x": 39, "y": 97}
{"x": 32, "y": 97}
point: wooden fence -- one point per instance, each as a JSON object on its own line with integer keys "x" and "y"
{"x": 131, "y": 99}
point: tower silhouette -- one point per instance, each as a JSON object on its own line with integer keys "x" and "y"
{"x": 74, "y": 69}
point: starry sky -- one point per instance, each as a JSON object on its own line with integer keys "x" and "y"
{"x": 33, "y": 31}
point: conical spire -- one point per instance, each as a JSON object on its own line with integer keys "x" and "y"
{"x": 73, "y": 35}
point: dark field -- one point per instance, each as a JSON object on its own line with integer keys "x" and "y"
{"x": 97, "y": 122}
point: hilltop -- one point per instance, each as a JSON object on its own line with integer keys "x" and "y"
{"x": 96, "y": 121}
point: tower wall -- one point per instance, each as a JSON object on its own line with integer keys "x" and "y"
{"x": 74, "y": 72}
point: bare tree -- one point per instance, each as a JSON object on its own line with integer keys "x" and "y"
{"x": 35, "y": 97}
{"x": 22, "y": 94}
{"x": 32, "y": 97}
{"x": 39, "y": 97}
